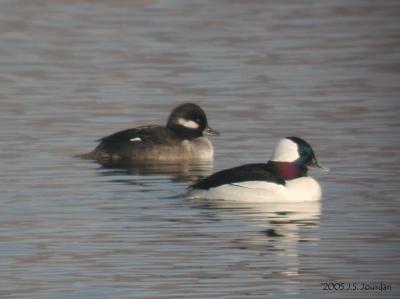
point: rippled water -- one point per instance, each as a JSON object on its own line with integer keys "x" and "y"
{"x": 74, "y": 71}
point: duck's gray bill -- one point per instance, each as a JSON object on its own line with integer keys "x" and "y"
{"x": 320, "y": 167}
{"x": 314, "y": 164}
{"x": 211, "y": 132}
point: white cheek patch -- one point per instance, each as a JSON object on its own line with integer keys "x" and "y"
{"x": 286, "y": 151}
{"x": 136, "y": 139}
{"x": 188, "y": 123}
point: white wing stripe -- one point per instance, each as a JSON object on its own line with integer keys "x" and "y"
{"x": 136, "y": 139}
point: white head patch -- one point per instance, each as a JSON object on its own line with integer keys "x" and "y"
{"x": 188, "y": 123}
{"x": 286, "y": 151}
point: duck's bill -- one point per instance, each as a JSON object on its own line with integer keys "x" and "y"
{"x": 316, "y": 165}
{"x": 211, "y": 132}
{"x": 322, "y": 168}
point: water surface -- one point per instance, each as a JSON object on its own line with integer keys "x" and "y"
{"x": 74, "y": 71}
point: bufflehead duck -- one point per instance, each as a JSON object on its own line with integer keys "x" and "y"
{"x": 181, "y": 139}
{"x": 282, "y": 179}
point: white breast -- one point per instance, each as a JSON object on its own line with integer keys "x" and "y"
{"x": 298, "y": 190}
{"x": 304, "y": 189}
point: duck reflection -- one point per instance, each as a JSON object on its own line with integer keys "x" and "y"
{"x": 281, "y": 232}
{"x": 179, "y": 171}
{"x": 286, "y": 222}
{"x": 281, "y": 217}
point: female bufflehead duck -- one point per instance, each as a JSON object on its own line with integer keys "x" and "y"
{"x": 181, "y": 139}
{"x": 282, "y": 179}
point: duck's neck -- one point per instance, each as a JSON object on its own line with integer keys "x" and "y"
{"x": 288, "y": 170}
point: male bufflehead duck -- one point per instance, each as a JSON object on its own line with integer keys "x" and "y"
{"x": 181, "y": 139}
{"x": 282, "y": 179}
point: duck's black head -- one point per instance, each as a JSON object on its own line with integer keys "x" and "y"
{"x": 189, "y": 121}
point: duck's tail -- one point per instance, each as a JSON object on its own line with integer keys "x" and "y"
{"x": 90, "y": 155}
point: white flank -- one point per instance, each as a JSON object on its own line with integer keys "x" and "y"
{"x": 188, "y": 123}
{"x": 136, "y": 139}
{"x": 286, "y": 151}
{"x": 298, "y": 190}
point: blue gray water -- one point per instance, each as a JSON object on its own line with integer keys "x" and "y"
{"x": 74, "y": 71}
